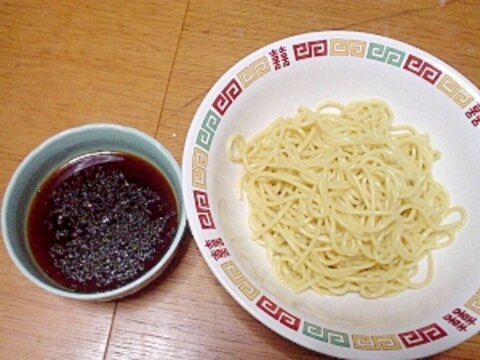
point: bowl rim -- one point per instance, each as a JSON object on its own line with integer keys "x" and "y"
{"x": 147, "y": 277}
{"x": 202, "y": 109}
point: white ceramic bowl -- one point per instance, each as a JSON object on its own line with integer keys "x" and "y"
{"x": 342, "y": 66}
{"x": 58, "y": 150}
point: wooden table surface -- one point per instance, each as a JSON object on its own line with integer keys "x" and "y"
{"x": 148, "y": 64}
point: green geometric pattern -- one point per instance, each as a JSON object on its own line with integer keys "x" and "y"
{"x": 385, "y": 54}
{"x": 209, "y": 126}
{"x": 326, "y": 335}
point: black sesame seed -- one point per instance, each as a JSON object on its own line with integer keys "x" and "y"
{"x": 105, "y": 224}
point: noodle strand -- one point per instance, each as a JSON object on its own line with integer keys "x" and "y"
{"x": 343, "y": 201}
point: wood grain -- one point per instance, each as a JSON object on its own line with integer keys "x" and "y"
{"x": 64, "y": 64}
{"x": 148, "y": 64}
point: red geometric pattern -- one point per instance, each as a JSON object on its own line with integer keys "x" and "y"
{"x": 279, "y": 314}
{"x": 227, "y": 96}
{"x": 310, "y": 49}
{"x": 422, "y": 336}
{"x": 422, "y": 68}
{"x": 203, "y": 209}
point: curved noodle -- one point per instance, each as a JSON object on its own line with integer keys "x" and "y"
{"x": 344, "y": 201}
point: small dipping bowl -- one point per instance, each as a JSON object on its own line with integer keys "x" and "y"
{"x": 48, "y": 157}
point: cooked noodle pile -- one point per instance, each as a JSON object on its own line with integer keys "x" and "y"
{"x": 343, "y": 201}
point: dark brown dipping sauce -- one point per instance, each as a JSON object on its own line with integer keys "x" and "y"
{"x": 101, "y": 221}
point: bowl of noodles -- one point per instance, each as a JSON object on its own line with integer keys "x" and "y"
{"x": 326, "y": 186}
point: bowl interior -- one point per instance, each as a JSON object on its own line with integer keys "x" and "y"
{"x": 269, "y": 100}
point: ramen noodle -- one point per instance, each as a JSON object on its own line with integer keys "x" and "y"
{"x": 343, "y": 201}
